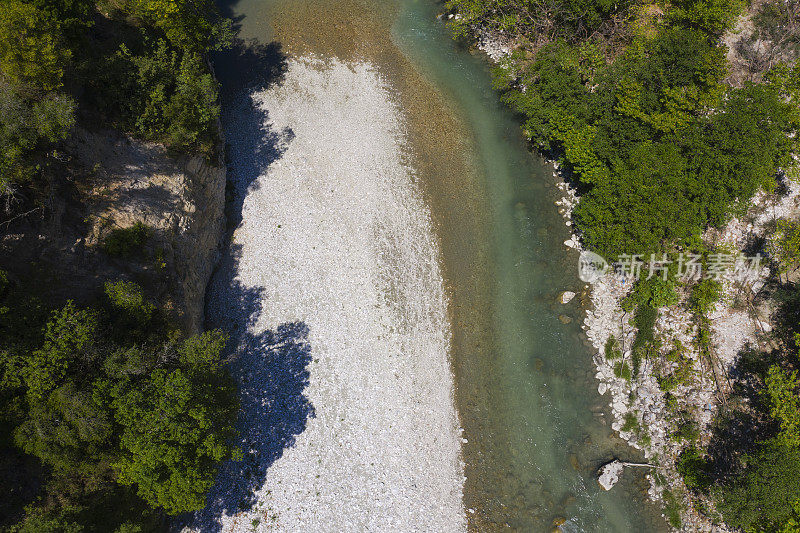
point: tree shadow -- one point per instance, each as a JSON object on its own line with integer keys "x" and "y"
{"x": 270, "y": 367}
{"x": 271, "y": 370}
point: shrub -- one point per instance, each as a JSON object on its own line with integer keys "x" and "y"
{"x": 786, "y": 244}
{"x": 673, "y": 506}
{"x": 125, "y": 242}
{"x": 704, "y": 295}
{"x": 127, "y": 297}
{"x": 687, "y": 429}
{"x": 631, "y": 423}
{"x": 612, "y": 350}
{"x": 693, "y": 467}
{"x": 622, "y": 370}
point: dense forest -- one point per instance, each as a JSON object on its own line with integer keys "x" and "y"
{"x": 111, "y": 417}
{"x": 637, "y": 103}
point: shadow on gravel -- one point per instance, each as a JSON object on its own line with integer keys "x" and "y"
{"x": 270, "y": 367}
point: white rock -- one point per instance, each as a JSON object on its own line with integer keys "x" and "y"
{"x": 609, "y": 474}
{"x": 566, "y": 297}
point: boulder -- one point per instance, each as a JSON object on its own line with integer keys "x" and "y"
{"x": 609, "y": 474}
{"x": 566, "y": 297}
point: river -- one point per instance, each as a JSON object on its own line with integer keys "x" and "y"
{"x": 535, "y": 428}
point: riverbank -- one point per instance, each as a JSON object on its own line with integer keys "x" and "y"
{"x": 335, "y": 257}
{"x": 669, "y": 385}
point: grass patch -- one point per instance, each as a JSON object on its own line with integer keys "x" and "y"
{"x": 645, "y": 321}
{"x": 622, "y": 370}
{"x": 612, "y": 350}
{"x": 673, "y": 506}
{"x": 631, "y": 423}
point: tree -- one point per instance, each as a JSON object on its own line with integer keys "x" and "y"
{"x": 786, "y": 244}
{"x": 783, "y": 391}
{"x": 190, "y": 25}
{"x": 31, "y": 52}
{"x": 176, "y": 426}
{"x": 763, "y": 495}
{"x": 70, "y": 338}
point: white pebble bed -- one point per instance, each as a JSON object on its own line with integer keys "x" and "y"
{"x": 338, "y": 236}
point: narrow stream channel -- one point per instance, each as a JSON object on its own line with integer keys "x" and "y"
{"x": 535, "y": 427}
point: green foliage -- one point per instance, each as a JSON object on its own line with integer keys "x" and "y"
{"x": 194, "y": 26}
{"x": 693, "y": 467}
{"x": 622, "y": 370}
{"x": 127, "y": 297}
{"x": 659, "y": 146}
{"x": 171, "y": 420}
{"x": 565, "y": 18}
{"x": 682, "y": 374}
{"x": 612, "y": 350}
{"x": 25, "y": 126}
{"x": 32, "y": 62}
{"x": 705, "y": 294}
{"x": 69, "y": 341}
{"x": 786, "y": 244}
{"x": 711, "y": 16}
{"x": 763, "y": 495}
{"x": 32, "y": 56}
{"x": 654, "y": 292}
{"x": 631, "y": 423}
{"x": 645, "y": 321}
{"x": 127, "y": 242}
{"x": 673, "y": 507}
{"x": 162, "y": 94}
{"x": 687, "y": 430}
{"x": 783, "y": 391}
{"x": 104, "y": 410}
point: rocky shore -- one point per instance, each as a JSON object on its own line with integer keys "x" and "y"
{"x": 641, "y": 415}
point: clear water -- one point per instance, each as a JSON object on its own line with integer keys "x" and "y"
{"x": 537, "y": 430}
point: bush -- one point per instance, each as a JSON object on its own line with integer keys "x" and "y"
{"x": 673, "y": 506}
{"x": 127, "y": 297}
{"x": 631, "y": 423}
{"x": 704, "y": 295}
{"x": 125, "y": 242}
{"x": 693, "y": 467}
{"x": 687, "y": 430}
{"x": 682, "y": 375}
{"x": 786, "y": 244}
{"x": 762, "y": 496}
{"x": 622, "y": 370}
{"x": 645, "y": 321}
{"x": 612, "y": 350}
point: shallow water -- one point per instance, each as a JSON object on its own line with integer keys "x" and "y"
{"x": 536, "y": 428}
